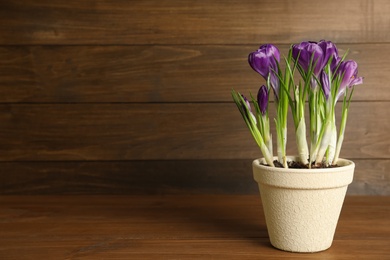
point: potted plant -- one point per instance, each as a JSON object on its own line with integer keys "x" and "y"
{"x": 302, "y": 195}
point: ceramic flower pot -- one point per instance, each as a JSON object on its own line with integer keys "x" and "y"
{"x": 302, "y": 206}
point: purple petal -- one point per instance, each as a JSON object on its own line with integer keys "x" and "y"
{"x": 262, "y": 99}
{"x": 248, "y": 105}
{"x": 304, "y": 57}
{"x": 263, "y": 60}
{"x": 348, "y": 70}
{"x": 356, "y": 81}
{"x": 275, "y": 84}
{"x": 306, "y": 50}
{"x": 330, "y": 51}
{"x": 325, "y": 84}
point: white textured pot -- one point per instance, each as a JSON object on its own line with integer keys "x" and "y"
{"x": 302, "y": 206}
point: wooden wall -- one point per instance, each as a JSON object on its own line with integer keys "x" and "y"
{"x": 133, "y": 97}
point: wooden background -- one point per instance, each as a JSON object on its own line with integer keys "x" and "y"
{"x": 133, "y": 97}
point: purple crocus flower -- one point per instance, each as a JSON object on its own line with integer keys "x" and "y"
{"x": 329, "y": 50}
{"x": 348, "y": 70}
{"x": 262, "y": 99}
{"x": 306, "y": 50}
{"x": 264, "y": 61}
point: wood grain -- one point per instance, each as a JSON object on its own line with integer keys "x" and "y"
{"x": 160, "y": 131}
{"x": 161, "y": 177}
{"x": 48, "y": 74}
{"x": 189, "y": 22}
{"x": 166, "y": 227}
{"x": 107, "y": 97}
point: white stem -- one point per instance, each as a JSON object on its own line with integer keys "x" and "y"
{"x": 285, "y": 165}
{"x": 268, "y": 157}
{"x": 260, "y": 142}
{"x": 303, "y": 150}
{"x": 332, "y": 146}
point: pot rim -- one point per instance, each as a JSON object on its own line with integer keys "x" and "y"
{"x": 343, "y": 164}
{"x": 323, "y": 178}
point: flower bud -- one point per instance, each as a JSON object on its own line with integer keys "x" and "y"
{"x": 262, "y": 99}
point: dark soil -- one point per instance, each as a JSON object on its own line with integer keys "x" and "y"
{"x": 299, "y": 165}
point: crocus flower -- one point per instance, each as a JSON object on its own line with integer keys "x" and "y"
{"x": 262, "y": 99}
{"x": 329, "y": 50}
{"x": 348, "y": 70}
{"x": 264, "y": 61}
{"x": 306, "y": 50}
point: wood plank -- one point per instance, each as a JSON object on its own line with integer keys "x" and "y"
{"x": 166, "y": 227}
{"x": 50, "y": 132}
{"x": 128, "y": 177}
{"x": 124, "y": 248}
{"x": 372, "y": 177}
{"x": 189, "y": 22}
{"x": 48, "y": 74}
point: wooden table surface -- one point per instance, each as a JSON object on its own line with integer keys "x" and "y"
{"x": 173, "y": 227}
